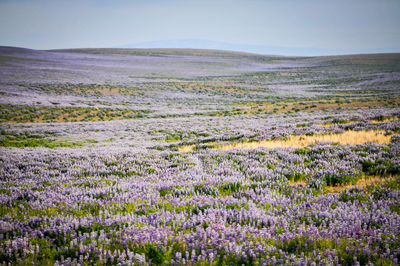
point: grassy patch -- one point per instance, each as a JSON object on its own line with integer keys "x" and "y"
{"x": 301, "y": 105}
{"x": 46, "y": 114}
{"x": 86, "y": 89}
{"x": 27, "y": 140}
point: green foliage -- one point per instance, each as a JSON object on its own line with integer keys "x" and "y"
{"x": 335, "y": 180}
{"x": 379, "y": 167}
{"x": 5, "y": 191}
{"x": 47, "y": 114}
{"x": 296, "y": 176}
{"x": 393, "y": 183}
{"x": 353, "y": 195}
{"x": 230, "y": 188}
{"x": 395, "y": 208}
{"x": 28, "y": 140}
{"x": 155, "y": 254}
{"x": 303, "y": 151}
{"x": 348, "y": 249}
{"x": 164, "y": 192}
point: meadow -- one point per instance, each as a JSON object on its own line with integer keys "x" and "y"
{"x": 198, "y": 157}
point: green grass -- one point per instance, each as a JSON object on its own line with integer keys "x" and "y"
{"x": 46, "y": 114}
{"x": 26, "y": 140}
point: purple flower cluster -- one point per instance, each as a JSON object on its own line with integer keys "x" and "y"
{"x": 235, "y": 207}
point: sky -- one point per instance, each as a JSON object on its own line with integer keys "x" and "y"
{"x": 348, "y": 26}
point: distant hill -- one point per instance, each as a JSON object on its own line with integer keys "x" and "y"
{"x": 11, "y": 50}
{"x": 258, "y": 49}
{"x": 161, "y": 52}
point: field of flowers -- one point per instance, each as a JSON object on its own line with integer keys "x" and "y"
{"x": 191, "y": 157}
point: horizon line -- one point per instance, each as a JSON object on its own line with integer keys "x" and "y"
{"x": 191, "y": 48}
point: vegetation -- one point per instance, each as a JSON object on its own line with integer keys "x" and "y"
{"x": 192, "y": 157}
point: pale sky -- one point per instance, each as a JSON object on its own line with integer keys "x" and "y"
{"x": 348, "y": 25}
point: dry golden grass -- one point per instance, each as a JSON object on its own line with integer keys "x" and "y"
{"x": 363, "y": 182}
{"x": 301, "y": 141}
{"x": 348, "y": 137}
{"x": 298, "y": 183}
{"x": 329, "y": 124}
{"x": 188, "y": 148}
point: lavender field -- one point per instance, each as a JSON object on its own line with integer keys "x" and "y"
{"x": 198, "y": 157}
